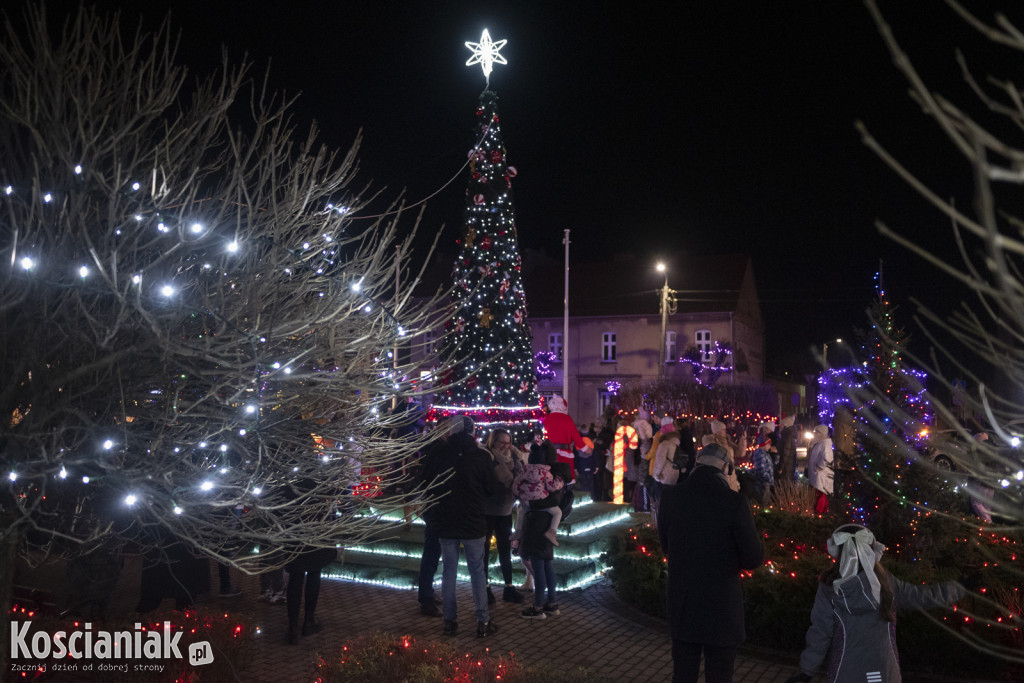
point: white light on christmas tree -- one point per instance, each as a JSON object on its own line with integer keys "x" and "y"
{"x": 130, "y": 499}
{"x": 27, "y": 263}
{"x": 485, "y": 53}
{"x": 108, "y": 444}
{"x": 177, "y": 510}
{"x": 167, "y": 290}
{"x": 206, "y": 485}
{"x": 83, "y": 272}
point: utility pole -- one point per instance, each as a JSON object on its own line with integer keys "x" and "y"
{"x": 664, "y": 322}
{"x": 565, "y": 324}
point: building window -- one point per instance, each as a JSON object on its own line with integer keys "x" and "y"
{"x": 608, "y": 347}
{"x": 429, "y": 343}
{"x": 604, "y": 399}
{"x": 670, "y": 347}
{"x": 704, "y": 345}
{"x": 555, "y": 345}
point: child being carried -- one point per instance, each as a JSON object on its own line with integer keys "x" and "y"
{"x": 540, "y": 487}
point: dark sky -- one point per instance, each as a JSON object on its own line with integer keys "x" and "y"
{"x": 709, "y": 126}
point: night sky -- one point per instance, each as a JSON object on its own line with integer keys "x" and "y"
{"x": 703, "y": 127}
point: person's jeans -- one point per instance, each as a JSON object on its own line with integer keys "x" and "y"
{"x": 543, "y": 579}
{"x": 428, "y": 564}
{"x": 718, "y": 662}
{"x": 477, "y": 576}
{"x": 500, "y": 526}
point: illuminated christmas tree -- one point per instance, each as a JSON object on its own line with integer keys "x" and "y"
{"x": 887, "y": 490}
{"x": 488, "y": 340}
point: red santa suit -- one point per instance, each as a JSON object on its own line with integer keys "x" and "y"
{"x": 562, "y": 433}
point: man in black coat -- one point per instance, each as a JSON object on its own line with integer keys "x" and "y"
{"x": 707, "y": 533}
{"x": 467, "y": 477}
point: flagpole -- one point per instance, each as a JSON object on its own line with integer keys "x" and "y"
{"x": 565, "y": 325}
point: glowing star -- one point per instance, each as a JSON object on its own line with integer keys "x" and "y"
{"x": 485, "y": 53}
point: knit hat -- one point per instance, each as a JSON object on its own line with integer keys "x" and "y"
{"x": 717, "y": 427}
{"x": 460, "y": 423}
{"x": 713, "y": 454}
{"x": 787, "y": 421}
{"x": 769, "y": 426}
{"x": 667, "y": 421}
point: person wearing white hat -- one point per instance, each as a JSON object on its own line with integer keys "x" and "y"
{"x": 852, "y": 637}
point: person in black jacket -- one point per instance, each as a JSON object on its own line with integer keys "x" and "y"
{"x": 467, "y": 478}
{"x": 707, "y": 533}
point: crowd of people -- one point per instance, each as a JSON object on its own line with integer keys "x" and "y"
{"x": 696, "y": 479}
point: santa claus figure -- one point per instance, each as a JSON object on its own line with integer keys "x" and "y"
{"x": 562, "y": 433}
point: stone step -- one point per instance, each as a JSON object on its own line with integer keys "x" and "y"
{"x": 391, "y": 556}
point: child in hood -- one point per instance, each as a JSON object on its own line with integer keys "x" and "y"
{"x": 540, "y": 486}
{"x": 853, "y": 621}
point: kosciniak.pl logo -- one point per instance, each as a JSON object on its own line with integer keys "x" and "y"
{"x": 85, "y": 644}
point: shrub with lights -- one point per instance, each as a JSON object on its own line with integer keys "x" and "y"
{"x": 488, "y": 341}
{"x": 386, "y": 657}
{"x": 746, "y": 404}
{"x": 197, "y": 326}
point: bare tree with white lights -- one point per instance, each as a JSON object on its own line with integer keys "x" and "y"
{"x": 196, "y": 326}
{"x": 987, "y": 334}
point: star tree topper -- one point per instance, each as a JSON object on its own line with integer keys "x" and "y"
{"x": 485, "y": 53}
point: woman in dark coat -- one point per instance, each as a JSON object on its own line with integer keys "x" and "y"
{"x": 708, "y": 535}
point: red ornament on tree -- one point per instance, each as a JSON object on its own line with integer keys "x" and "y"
{"x": 518, "y": 317}
{"x": 460, "y": 325}
{"x": 511, "y": 172}
{"x": 471, "y": 382}
{"x": 495, "y": 156}
{"x": 478, "y": 199}
{"x": 485, "y": 242}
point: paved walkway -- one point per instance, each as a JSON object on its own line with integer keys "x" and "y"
{"x": 595, "y": 630}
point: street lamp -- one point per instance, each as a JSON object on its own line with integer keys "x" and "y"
{"x": 824, "y": 350}
{"x": 664, "y": 321}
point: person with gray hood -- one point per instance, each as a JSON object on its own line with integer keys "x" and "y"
{"x": 853, "y": 621}
{"x": 707, "y": 533}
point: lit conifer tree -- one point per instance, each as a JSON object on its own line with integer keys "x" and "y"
{"x": 489, "y": 341}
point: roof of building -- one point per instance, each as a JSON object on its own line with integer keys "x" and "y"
{"x": 630, "y": 286}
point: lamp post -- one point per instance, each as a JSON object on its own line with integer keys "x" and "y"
{"x": 664, "y": 322}
{"x": 824, "y": 350}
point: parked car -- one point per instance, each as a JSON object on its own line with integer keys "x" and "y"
{"x": 946, "y": 447}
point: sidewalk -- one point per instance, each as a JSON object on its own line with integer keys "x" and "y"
{"x": 595, "y": 630}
